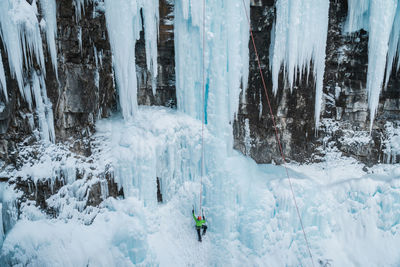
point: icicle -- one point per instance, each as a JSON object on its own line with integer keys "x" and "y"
{"x": 21, "y": 37}
{"x": 43, "y": 108}
{"x": 226, "y": 61}
{"x": 3, "y": 78}
{"x": 150, "y": 23}
{"x": 382, "y": 14}
{"x": 79, "y": 9}
{"x": 357, "y": 16}
{"x": 124, "y": 25}
{"x": 49, "y": 11}
{"x": 299, "y": 38}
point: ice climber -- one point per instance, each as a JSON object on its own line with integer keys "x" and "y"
{"x": 200, "y": 224}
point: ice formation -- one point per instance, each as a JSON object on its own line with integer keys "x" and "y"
{"x": 225, "y": 63}
{"x": 299, "y": 41}
{"x": 3, "y": 78}
{"x": 49, "y": 10}
{"x": 124, "y": 24}
{"x": 382, "y": 20}
{"x": 20, "y": 33}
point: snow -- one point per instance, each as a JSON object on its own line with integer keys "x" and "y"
{"x": 226, "y": 60}
{"x": 49, "y": 10}
{"x": 124, "y": 24}
{"x": 3, "y": 79}
{"x": 299, "y": 39}
{"x": 350, "y": 212}
{"x": 382, "y": 20}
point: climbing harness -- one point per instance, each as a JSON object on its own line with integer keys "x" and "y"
{"x": 276, "y": 133}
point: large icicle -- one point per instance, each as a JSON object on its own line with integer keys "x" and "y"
{"x": 21, "y": 37}
{"x": 226, "y": 61}
{"x": 299, "y": 38}
{"x": 49, "y": 11}
{"x": 381, "y": 21}
{"x": 150, "y": 23}
{"x": 124, "y": 25}
{"x": 3, "y": 78}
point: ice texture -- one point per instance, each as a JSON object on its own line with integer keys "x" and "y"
{"x": 226, "y": 61}
{"x": 124, "y": 24}
{"x": 21, "y": 37}
{"x": 3, "y": 79}
{"x": 49, "y": 10}
{"x": 299, "y": 42}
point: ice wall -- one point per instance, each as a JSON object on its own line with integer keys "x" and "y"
{"x": 226, "y": 59}
{"x": 298, "y": 42}
{"x": 381, "y": 18}
{"x": 21, "y": 37}
{"x": 124, "y": 24}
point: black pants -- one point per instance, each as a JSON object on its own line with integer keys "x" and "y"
{"x": 204, "y": 227}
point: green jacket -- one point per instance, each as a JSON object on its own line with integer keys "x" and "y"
{"x": 199, "y": 223}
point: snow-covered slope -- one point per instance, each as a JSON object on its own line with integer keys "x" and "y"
{"x": 351, "y": 215}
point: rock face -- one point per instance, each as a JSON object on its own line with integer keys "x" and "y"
{"x": 85, "y": 91}
{"x": 345, "y": 115}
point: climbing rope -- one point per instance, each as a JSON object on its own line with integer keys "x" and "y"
{"x": 203, "y": 107}
{"x": 276, "y": 134}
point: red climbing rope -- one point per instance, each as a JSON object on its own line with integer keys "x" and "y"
{"x": 203, "y": 106}
{"x": 276, "y": 133}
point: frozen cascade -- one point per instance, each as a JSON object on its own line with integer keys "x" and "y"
{"x": 3, "y": 78}
{"x": 299, "y": 39}
{"x": 21, "y": 36}
{"x": 383, "y": 24}
{"x": 124, "y": 25}
{"x": 226, "y": 61}
{"x": 20, "y": 33}
{"x": 49, "y": 10}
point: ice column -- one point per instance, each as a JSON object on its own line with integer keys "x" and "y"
{"x": 225, "y": 64}
{"x": 3, "y": 78}
{"x": 49, "y": 11}
{"x": 381, "y": 21}
{"x": 124, "y": 25}
{"x": 299, "y": 38}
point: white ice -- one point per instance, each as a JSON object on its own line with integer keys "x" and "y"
{"x": 124, "y": 24}
{"x": 299, "y": 40}
{"x": 49, "y": 10}
{"x": 225, "y": 63}
{"x": 3, "y": 79}
{"x": 351, "y": 217}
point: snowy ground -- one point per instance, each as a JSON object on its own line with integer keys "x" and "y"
{"x": 351, "y": 213}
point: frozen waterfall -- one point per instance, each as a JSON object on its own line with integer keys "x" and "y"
{"x": 298, "y": 42}
{"x": 124, "y": 24}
